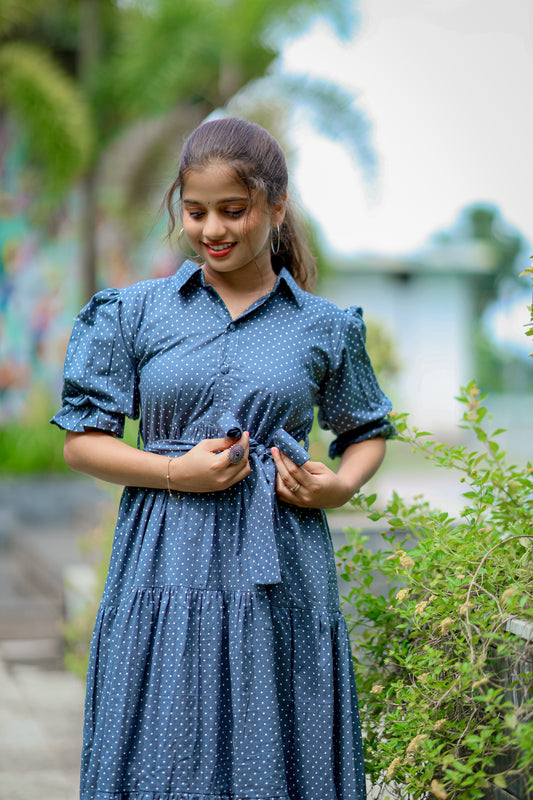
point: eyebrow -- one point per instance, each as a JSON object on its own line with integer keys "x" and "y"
{"x": 218, "y": 202}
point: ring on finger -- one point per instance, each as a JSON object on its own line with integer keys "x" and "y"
{"x": 236, "y": 453}
{"x": 294, "y": 489}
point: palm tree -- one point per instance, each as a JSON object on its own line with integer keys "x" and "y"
{"x": 140, "y": 75}
{"x": 49, "y": 110}
{"x": 176, "y": 63}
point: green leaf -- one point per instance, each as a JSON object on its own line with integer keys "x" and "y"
{"x": 51, "y": 111}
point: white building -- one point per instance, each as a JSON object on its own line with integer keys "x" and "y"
{"x": 426, "y": 301}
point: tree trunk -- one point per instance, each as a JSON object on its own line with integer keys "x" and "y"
{"x": 89, "y": 41}
{"x": 88, "y": 235}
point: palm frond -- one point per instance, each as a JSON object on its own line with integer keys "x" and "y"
{"x": 332, "y": 111}
{"x": 139, "y": 164}
{"x": 292, "y": 17}
{"x": 49, "y": 109}
{"x": 14, "y": 13}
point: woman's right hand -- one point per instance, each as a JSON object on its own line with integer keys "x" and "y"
{"x": 207, "y": 468}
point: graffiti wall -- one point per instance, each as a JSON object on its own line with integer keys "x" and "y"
{"x": 40, "y": 285}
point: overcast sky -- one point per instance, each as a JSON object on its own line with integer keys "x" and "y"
{"x": 448, "y": 87}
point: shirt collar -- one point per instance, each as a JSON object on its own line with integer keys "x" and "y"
{"x": 287, "y": 283}
{"x": 191, "y": 274}
{"x": 188, "y": 275}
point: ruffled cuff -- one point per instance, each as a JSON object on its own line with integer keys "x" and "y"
{"x": 78, "y": 419}
{"x": 382, "y": 428}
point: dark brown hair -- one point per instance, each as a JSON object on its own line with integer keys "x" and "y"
{"x": 259, "y": 164}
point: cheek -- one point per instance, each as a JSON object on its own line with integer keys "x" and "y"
{"x": 256, "y": 234}
{"x": 191, "y": 227}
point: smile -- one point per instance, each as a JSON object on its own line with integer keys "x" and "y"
{"x": 219, "y": 250}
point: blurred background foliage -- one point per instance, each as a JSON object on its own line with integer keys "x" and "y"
{"x": 498, "y": 368}
{"x": 102, "y": 91}
{"x": 483, "y": 223}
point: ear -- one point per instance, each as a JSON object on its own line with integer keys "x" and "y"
{"x": 278, "y": 212}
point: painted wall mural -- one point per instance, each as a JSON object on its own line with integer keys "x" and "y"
{"x": 40, "y": 286}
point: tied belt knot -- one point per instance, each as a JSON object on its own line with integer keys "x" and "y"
{"x": 258, "y": 546}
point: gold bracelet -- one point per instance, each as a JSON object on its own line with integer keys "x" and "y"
{"x": 178, "y": 495}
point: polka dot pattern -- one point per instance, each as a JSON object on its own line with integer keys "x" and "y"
{"x": 204, "y": 682}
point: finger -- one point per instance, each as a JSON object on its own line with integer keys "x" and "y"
{"x": 282, "y": 461}
{"x": 235, "y": 477}
{"x": 288, "y": 486}
{"x": 290, "y": 472}
{"x": 284, "y": 493}
{"x": 283, "y": 465}
{"x": 282, "y": 470}
{"x": 239, "y": 451}
{"x": 243, "y": 468}
{"x": 216, "y": 445}
{"x": 225, "y": 458}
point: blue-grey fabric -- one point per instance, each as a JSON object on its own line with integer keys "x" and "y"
{"x": 220, "y": 664}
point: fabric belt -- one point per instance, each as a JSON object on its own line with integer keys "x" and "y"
{"x": 259, "y": 547}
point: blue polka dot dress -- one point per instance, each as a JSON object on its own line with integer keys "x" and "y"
{"x": 220, "y": 663}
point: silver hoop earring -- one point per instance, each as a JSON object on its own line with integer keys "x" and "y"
{"x": 180, "y": 245}
{"x": 276, "y": 250}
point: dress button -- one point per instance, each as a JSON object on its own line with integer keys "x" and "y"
{"x": 224, "y": 369}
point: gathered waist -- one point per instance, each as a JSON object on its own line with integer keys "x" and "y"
{"x": 259, "y": 546}
{"x": 231, "y": 428}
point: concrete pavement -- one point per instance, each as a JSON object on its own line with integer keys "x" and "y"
{"x": 40, "y": 733}
{"x": 41, "y": 705}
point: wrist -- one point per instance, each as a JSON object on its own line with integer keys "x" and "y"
{"x": 348, "y": 486}
{"x": 169, "y": 483}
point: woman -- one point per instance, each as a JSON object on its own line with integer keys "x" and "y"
{"x": 220, "y": 664}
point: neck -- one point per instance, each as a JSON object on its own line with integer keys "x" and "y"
{"x": 245, "y": 282}
{"x": 237, "y": 291}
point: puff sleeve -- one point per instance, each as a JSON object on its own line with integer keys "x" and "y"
{"x": 351, "y": 403}
{"x": 99, "y": 379}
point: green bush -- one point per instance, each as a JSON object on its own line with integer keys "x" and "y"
{"x": 529, "y": 332}
{"x": 30, "y": 445}
{"x": 445, "y": 694}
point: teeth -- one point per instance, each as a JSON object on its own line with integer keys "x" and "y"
{"x": 218, "y": 247}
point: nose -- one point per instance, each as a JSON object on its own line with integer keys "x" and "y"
{"x": 214, "y": 227}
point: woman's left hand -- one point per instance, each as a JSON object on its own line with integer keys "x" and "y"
{"x": 311, "y": 486}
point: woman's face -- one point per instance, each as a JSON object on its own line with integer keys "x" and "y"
{"x": 228, "y": 230}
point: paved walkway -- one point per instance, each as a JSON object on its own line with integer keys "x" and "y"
{"x": 41, "y": 708}
{"x": 40, "y": 733}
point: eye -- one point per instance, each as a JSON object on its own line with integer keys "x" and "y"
{"x": 234, "y": 213}
{"x": 196, "y": 214}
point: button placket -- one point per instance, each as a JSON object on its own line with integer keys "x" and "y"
{"x": 228, "y": 354}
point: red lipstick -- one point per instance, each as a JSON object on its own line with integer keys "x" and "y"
{"x": 222, "y": 248}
